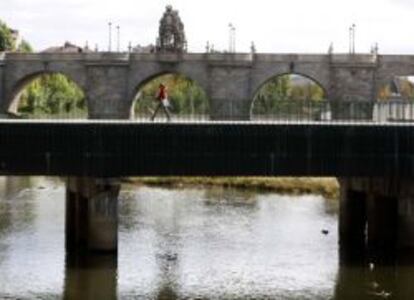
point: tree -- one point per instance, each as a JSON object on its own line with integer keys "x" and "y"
{"x": 52, "y": 94}
{"x": 7, "y": 41}
{"x": 25, "y": 47}
{"x": 186, "y": 96}
{"x": 288, "y": 96}
{"x": 272, "y": 95}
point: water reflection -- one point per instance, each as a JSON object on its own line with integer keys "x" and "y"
{"x": 220, "y": 196}
{"x": 31, "y": 240}
{"x": 189, "y": 244}
{"x": 385, "y": 279}
{"x": 12, "y": 211}
{"x": 200, "y": 244}
{"x": 90, "y": 277}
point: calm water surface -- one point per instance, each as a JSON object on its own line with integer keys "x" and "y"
{"x": 185, "y": 244}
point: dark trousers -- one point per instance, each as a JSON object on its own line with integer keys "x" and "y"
{"x": 166, "y": 111}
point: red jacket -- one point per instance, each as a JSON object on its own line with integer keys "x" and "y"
{"x": 162, "y": 93}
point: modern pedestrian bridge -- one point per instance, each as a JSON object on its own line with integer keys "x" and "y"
{"x": 224, "y": 148}
{"x": 374, "y": 163}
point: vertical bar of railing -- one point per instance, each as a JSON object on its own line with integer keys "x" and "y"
{"x": 388, "y": 115}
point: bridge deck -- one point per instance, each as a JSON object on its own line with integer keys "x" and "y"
{"x": 124, "y": 148}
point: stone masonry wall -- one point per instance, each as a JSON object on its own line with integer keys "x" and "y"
{"x": 111, "y": 80}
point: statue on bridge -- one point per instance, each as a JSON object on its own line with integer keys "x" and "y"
{"x": 171, "y": 33}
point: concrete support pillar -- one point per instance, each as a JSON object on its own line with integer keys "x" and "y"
{"x": 92, "y": 214}
{"x": 406, "y": 222}
{"x": 352, "y": 223}
{"x": 382, "y": 227}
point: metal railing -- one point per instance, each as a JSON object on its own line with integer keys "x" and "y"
{"x": 391, "y": 111}
{"x": 338, "y": 111}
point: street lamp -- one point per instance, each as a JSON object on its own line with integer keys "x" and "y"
{"x": 110, "y": 37}
{"x": 232, "y": 38}
{"x": 118, "y": 38}
{"x": 353, "y": 38}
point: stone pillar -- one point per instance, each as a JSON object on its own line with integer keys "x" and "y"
{"x": 352, "y": 222}
{"x": 352, "y": 110}
{"x": 230, "y": 89}
{"x": 229, "y": 109}
{"x": 91, "y": 214}
{"x": 107, "y": 90}
{"x": 352, "y": 89}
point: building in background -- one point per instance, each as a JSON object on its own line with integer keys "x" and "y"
{"x": 68, "y": 48}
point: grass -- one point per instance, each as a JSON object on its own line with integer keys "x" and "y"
{"x": 327, "y": 187}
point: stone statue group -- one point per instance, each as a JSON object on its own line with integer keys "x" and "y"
{"x": 171, "y": 33}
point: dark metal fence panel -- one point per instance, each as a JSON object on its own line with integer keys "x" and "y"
{"x": 109, "y": 149}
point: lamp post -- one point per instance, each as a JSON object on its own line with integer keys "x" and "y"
{"x": 110, "y": 37}
{"x": 118, "y": 38}
{"x": 353, "y": 38}
{"x": 232, "y": 38}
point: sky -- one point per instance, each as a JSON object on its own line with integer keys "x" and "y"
{"x": 275, "y": 26}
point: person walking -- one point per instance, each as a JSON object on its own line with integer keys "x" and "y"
{"x": 164, "y": 103}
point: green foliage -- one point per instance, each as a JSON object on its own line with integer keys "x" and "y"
{"x": 48, "y": 95}
{"x": 186, "y": 97}
{"x": 403, "y": 88}
{"x": 288, "y": 96}
{"x": 7, "y": 43}
{"x": 52, "y": 94}
{"x": 25, "y": 47}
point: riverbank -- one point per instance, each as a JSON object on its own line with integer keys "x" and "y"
{"x": 327, "y": 187}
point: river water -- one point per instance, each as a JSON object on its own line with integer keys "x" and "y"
{"x": 197, "y": 243}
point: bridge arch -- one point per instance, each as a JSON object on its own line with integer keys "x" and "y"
{"x": 395, "y": 98}
{"x": 289, "y": 95}
{"x": 64, "y": 92}
{"x": 189, "y": 100}
{"x": 395, "y": 86}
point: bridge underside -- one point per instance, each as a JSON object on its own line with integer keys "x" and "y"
{"x": 113, "y": 149}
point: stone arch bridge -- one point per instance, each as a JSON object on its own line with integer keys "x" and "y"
{"x": 111, "y": 80}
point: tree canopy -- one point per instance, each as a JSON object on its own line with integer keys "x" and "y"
{"x": 287, "y": 94}
{"x": 7, "y": 42}
{"x": 186, "y": 96}
{"x": 52, "y": 94}
{"x": 48, "y": 94}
